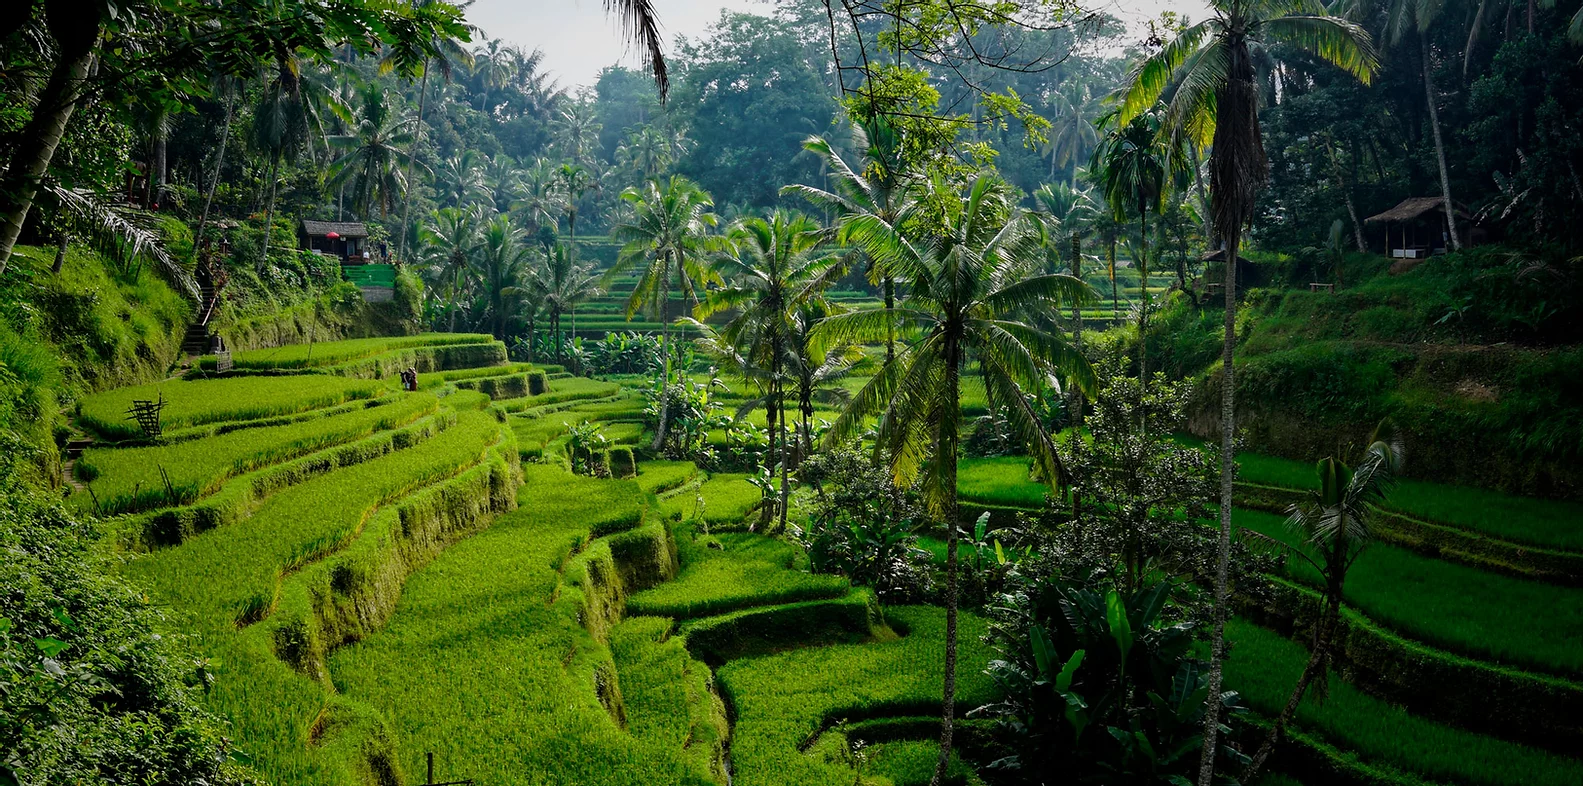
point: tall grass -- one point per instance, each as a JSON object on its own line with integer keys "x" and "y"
{"x": 745, "y": 570}
{"x": 1263, "y": 667}
{"x": 217, "y": 400}
{"x": 487, "y": 663}
{"x": 783, "y": 700}
{"x": 1003, "y": 481}
{"x": 330, "y": 353}
{"x": 724, "y": 500}
{"x": 129, "y": 479}
{"x": 1500, "y": 618}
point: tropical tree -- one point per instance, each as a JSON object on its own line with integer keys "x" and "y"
{"x": 1072, "y": 132}
{"x": 286, "y": 119}
{"x": 450, "y": 54}
{"x": 1216, "y": 101}
{"x": 770, "y": 268}
{"x": 503, "y": 269}
{"x": 459, "y": 180}
{"x": 969, "y": 278}
{"x": 1067, "y": 209}
{"x": 574, "y": 181}
{"x": 576, "y": 135}
{"x": 565, "y": 283}
{"x": 1130, "y": 165}
{"x": 540, "y": 200}
{"x": 872, "y": 201}
{"x": 1336, "y": 526}
{"x": 374, "y": 155}
{"x": 451, "y": 241}
{"x": 666, "y": 238}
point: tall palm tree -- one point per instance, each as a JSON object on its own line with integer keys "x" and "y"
{"x": 872, "y": 201}
{"x": 451, "y": 54}
{"x": 769, "y": 269}
{"x": 1130, "y": 166}
{"x": 1336, "y": 527}
{"x": 566, "y": 283}
{"x": 666, "y": 238}
{"x": 231, "y": 87}
{"x": 503, "y": 268}
{"x": 575, "y": 180}
{"x": 647, "y": 152}
{"x": 1068, "y": 209}
{"x": 968, "y": 282}
{"x": 286, "y": 119}
{"x": 503, "y": 180}
{"x": 1216, "y": 101}
{"x": 460, "y": 180}
{"x": 374, "y": 155}
{"x": 539, "y": 201}
{"x": 576, "y": 134}
{"x": 450, "y": 244}
{"x": 1072, "y": 130}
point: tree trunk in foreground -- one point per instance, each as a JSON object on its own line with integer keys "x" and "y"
{"x": 1228, "y": 469}
{"x": 412, "y": 155}
{"x": 1440, "y": 146}
{"x": 39, "y": 139}
{"x": 269, "y": 213}
{"x": 219, "y": 166}
{"x": 945, "y": 452}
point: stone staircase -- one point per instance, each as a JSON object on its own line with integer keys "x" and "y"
{"x": 198, "y": 338}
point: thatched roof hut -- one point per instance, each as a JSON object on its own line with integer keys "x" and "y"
{"x": 1416, "y": 227}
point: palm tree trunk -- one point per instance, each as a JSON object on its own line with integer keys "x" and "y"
{"x": 1440, "y": 146}
{"x": 39, "y": 139}
{"x": 1143, "y": 313}
{"x": 1115, "y": 297}
{"x": 1228, "y": 469}
{"x": 665, "y": 369}
{"x": 412, "y": 156}
{"x": 890, "y": 319}
{"x": 1311, "y": 670}
{"x": 1077, "y": 341}
{"x": 269, "y": 213}
{"x": 785, "y": 455}
{"x": 945, "y": 452}
{"x": 219, "y": 167}
{"x": 60, "y": 253}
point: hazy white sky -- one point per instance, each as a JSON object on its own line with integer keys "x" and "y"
{"x": 578, "y": 38}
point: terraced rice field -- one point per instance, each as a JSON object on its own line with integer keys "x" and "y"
{"x": 374, "y": 575}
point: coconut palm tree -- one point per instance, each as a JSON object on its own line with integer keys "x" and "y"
{"x": 450, "y": 243}
{"x": 503, "y": 267}
{"x": 540, "y": 201}
{"x": 566, "y": 283}
{"x": 871, "y": 201}
{"x": 1067, "y": 209}
{"x": 576, "y": 134}
{"x": 459, "y": 180}
{"x": 451, "y": 54}
{"x": 1130, "y": 165}
{"x": 374, "y": 156}
{"x": 969, "y": 281}
{"x": 574, "y": 180}
{"x": 1072, "y": 131}
{"x": 1336, "y": 526}
{"x": 769, "y": 269}
{"x": 286, "y": 119}
{"x": 1216, "y": 101}
{"x": 666, "y": 238}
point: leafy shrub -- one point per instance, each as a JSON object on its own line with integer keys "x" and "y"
{"x": 860, "y": 525}
{"x": 89, "y": 690}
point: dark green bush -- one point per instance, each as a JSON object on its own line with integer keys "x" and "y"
{"x": 621, "y": 463}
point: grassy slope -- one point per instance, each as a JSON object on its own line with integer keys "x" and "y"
{"x": 1263, "y": 666}
{"x": 1465, "y": 609}
{"x": 483, "y": 663}
{"x": 746, "y": 570}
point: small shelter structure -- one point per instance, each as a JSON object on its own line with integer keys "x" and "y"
{"x": 345, "y": 240}
{"x": 1416, "y": 228}
{"x": 1214, "y": 277}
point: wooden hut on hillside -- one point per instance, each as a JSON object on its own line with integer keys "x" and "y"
{"x": 1416, "y": 228}
{"x": 345, "y": 240}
